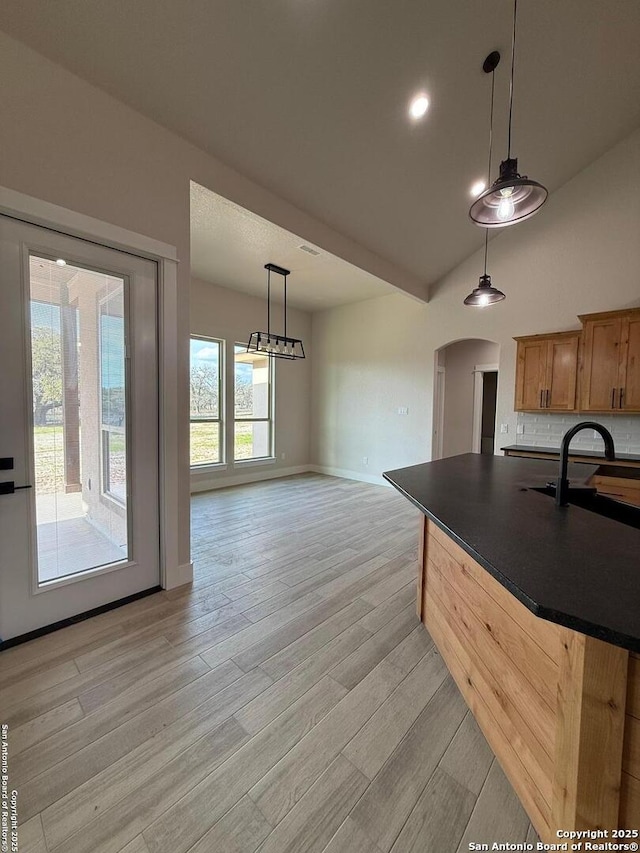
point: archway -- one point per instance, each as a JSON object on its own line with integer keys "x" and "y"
{"x": 465, "y": 394}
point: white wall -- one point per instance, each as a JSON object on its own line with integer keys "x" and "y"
{"x": 581, "y": 253}
{"x": 460, "y": 359}
{"x": 369, "y": 359}
{"x": 222, "y": 313}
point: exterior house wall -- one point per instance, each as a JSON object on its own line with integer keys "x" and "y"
{"x": 106, "y": 513}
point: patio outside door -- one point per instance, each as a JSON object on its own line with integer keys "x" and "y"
{"x": 79, "y": 418}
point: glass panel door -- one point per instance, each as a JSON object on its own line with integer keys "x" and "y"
{"x": 79, "y": 502}
{"x": 79, "y": 400}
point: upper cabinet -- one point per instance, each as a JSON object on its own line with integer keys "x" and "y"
{"x": 546, "y": 372}
{"x": 610, "y": 362}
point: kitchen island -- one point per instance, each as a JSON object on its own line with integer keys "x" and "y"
{"x": 536, "y": 613}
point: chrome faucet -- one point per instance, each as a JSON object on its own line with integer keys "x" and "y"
{"x": 562, "y": 486}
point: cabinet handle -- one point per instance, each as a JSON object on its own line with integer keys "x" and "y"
{"x": 620, "y": 398}
{"x": 547, "y": 400}
{"x": 613, "y": 398}
{"x": 541, "y": 399}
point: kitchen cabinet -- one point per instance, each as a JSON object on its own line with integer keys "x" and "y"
{"x": 610, "y": 362}
{"x": 546, "y": 372}
{"x": 617, "y": 483}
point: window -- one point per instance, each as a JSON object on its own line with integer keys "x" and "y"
{"x": 253, "y": 426}
{"x": 206, "y": 395}
{"x": 113, "y": 393}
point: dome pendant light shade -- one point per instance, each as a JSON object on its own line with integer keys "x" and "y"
{"x": 512, "y": 197}
{"x": 484, "y": 294}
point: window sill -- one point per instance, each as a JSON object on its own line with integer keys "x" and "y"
{"x": 250, "y": 463}
{"x": 208, "y": 469}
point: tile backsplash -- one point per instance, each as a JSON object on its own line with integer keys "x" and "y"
{"x": 545, "y": 429}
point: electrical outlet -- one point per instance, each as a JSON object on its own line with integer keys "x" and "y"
{"x": 403, "y": 410}
{"x": 520, "y": 429}
{"x": 283, "y": 456}
{"x": 365, "y": 460}
{"x": 504, "y": 428}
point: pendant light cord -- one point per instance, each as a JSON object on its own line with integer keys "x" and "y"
{"x": 486, "y": 246}
{"x": 493, "y": 89}
{"x": 513, "y": 61}
{"x": 493, "y": 86}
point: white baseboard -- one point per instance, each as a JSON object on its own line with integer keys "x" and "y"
{"x": 207, "y": 485}
{"x": 375, "y": 479}
{"x": 182, "y": 575}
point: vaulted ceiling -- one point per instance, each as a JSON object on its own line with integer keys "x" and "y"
{"x": 309, "y": 97}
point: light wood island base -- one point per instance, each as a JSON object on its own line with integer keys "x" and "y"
{"x": 560, "y": 710}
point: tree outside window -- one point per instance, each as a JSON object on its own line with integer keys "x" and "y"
{"x": 205, "y": 392}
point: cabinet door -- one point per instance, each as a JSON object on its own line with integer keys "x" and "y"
{"x": 600, "y": 380}
{"x": 562, "y": 373}
{"x": 629, "y": 400}
{"x": 531, "y": 371}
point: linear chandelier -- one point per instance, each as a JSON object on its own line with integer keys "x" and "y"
{"x": 276, "y": 345}
{"x": 511, "y": 197}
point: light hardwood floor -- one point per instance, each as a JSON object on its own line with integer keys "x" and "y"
{"x": 290, "y": 702}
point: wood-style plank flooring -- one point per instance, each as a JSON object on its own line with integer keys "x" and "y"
{"x": 289, "y": 702}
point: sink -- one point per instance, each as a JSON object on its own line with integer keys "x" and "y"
{"x": 587, "y": 498}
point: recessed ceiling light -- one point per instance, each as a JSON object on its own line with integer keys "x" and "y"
{"x": 477, "y": 188}
{"x": 418, "y": 106}
{"x": 61, "y": 262}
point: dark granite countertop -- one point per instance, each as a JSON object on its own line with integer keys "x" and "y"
{"x": 574, "y": 451}
{"x": 569, "y": 566}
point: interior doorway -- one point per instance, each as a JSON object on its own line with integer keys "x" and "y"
{"x": 438, "y": 413}
{"x": 485, "y": 398}
{"x": 464, "y": 407}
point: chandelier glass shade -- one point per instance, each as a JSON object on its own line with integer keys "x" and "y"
{"x": 277, "y": 346}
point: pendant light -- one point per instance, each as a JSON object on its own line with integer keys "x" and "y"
{"x": 485, "y": 294}
{"x": 276, "y": 345}
{"x": 512, "y": 197}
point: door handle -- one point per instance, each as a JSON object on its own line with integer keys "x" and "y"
{"x": 9, "y": 487}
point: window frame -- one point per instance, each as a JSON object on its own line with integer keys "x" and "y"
{"x": 199, "y": 466}
{"x": 106, "y": 430}
{"x": 269, "y": 420}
